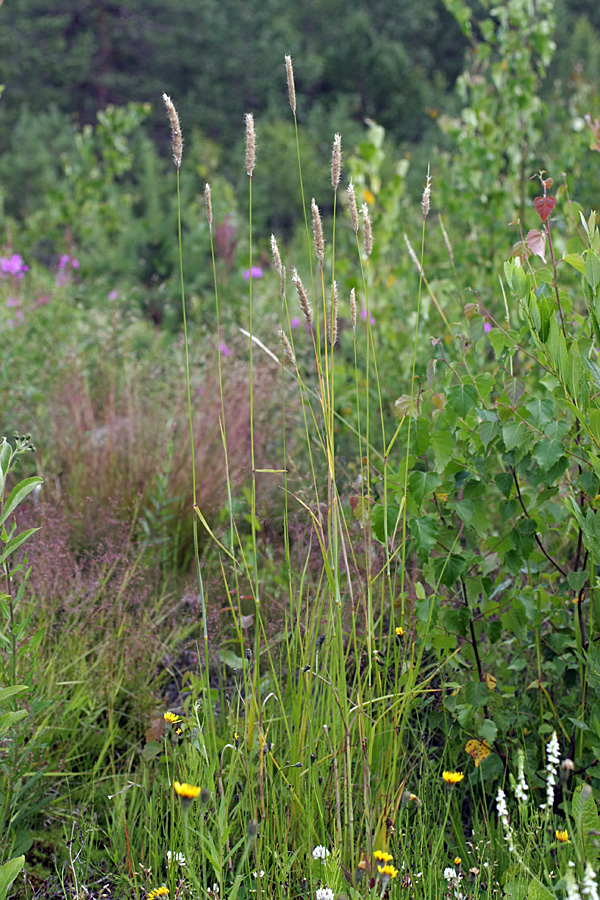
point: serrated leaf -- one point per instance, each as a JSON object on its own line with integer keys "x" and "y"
{"x": 585, "y": 819}
{"x": 513, "y": 434}
{"x": 442, "y": 444}
{"x": 378, "y": 520}
{"x": 538, "y": 891}
{"x": 448, "y": 568}
{"x": 547, "y": 452}
{"x": 462, "y": 398}
{"x": 515, "y": 388}
{"x": 422, "y": 485}
{"x": 424, "y": 530}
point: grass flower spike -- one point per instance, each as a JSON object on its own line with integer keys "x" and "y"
{"x": 336, "y": 161}
{"x": 176, "y": 135}
{"x": 250, "y": 145}
{"x": 290, "y": 82}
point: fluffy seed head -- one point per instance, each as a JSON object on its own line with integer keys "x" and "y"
{"x": 367, "y": 233}
{"x": 336, "y": 161}
{"x": 333, "y": 315}
{"x": 425, "y": 202}
{"x": 290, "y": 82}
{"x": 302, "y": 296}
{"x": 275, "y": 252}
{"x": 318, "y": 231}
{"x": 287, "y": 347}
{"x": 352, "y": 207}
{"x": 250, "y": 144}
{"x": 208, "y": 201}
{"x": 176, "y": 136}
{"x": 353, "y": 309}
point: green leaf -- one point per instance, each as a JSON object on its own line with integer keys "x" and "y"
{"x": 513, "y": 434}
{"x": 591, "y": 271}
{"x": 547, "y": 452}
{"x": 589, "y": 524}
{"x": 575, "y": 260}
{"x": 9, "y": 719}
{"x": 424, "y": 530}
{"x": 585, "y": 819}
{"x": 8, "y": 873}
{"x": 422, "y": 485}
{"x": 538, "y": 891}
{"x": 18, "y": 494}
{"x": 448, "y": 568}
{"x": 462, "y": 398}
{"x": 15, "y": 542}
{"x": 442, "y": 444}
{"x": 378, "y": 520}
{"x": 515, "y": 388}
{"x": 5, "y": 451}
{"x": 7, "y": 692}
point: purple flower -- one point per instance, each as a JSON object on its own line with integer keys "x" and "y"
{"x": 75, "y": 262}
{"x": 64, "y": 259}
{"x": 363, "y": 315}
{"x": 224, "y": 349}
{"x": 295, "y": 322}
{"x": 255, "y": 272}
{"x": 113, "y": 295}
{"x": 487, "y": 326}
{"x": 12, "y": 301}
{"x": 13, "y": 265}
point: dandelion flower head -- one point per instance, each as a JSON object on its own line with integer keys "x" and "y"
{"x": 186, "y": 791}
{"x": 382, "y": 856}
{"x": 171, "y": 718}
{"x": 452, "y": 777}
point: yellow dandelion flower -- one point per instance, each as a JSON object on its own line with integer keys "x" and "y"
{"x": 368, "y": 196}
{"x": 171, "y": 718}
{"x": 179, "y": 731}
{"x": 387, "y": 871}
{"x": 187, "y": 792}
{"x": 382, "y": 856}
{"x": 161, "y": 891}
{"x": 457, "y": 860}
{"x": 452, "y": 777}
{"x": 562, "y": 836}
{"x": 399, "y": 631}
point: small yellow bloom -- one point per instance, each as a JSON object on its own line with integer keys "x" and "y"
{"x": 171, "y": 718}
{"x": 179, "y": 731}
{"x": 186, "y": 791}
{"x": 162, "y": 891}
{"x": 382, "y": 856}
{"x": 562, "y": 836}
{"x": 368, "y": 196}
{"x": 452, "y": 777}
{"x": 457, "y": 860}
{"x": 387, "y": 871}
{"x": 400, "y": 631}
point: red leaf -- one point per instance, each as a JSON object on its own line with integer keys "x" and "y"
{"x": 544, "y": 206}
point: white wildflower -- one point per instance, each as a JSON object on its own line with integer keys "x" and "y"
{"x": 521, "y": 786}
{"x": 589, "y": 885}
{"x": 450, "y": 874}
{"x": 571, "y": 886}
{"x": 320, "y": 852}
{"x": 503, "y": 816}
{"x": 552, "y": 755}
{"x": 178, "y": 858}
{"x": 324, "y": 894}
{"x": 260, "y": 874}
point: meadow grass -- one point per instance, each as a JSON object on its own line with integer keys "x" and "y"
{"x": 306, "y": 731}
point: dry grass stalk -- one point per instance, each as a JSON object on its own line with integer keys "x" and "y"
{"x": 336, "y": 161}
{"x": 413, "y": 255}
{"x": 287, "y": 348}
{"x": 318, "y": 231}
{"x": 302, "y": 296}
{"x": 446, "y": 240}
{"x": 352, "y": 207}
{"x": 290, "y": 83}
{"x": 250, "y": 145}
{"x": 276, "y": 254}
{"x": 426, "y": 201}
{"x": 208, "y": 201}
{"x": 176, "y": 136}
{"x": 333, "y": 315}
{"x": 367, "y": 233}
{"x": 353, "y": 310}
